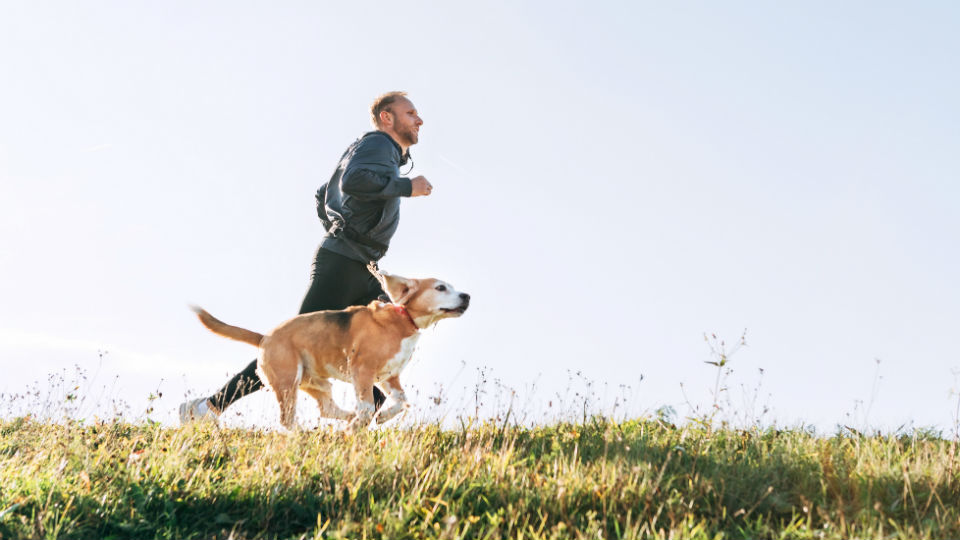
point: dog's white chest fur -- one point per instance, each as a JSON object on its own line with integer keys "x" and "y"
{"x": 399, "y": 360}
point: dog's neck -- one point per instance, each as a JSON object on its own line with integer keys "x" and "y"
{"x": 401, "y": 309}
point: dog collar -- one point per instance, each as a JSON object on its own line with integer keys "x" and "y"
{"x": 403, "y": 309}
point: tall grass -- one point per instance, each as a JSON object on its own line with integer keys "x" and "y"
{"x": 595, "y": 479}
{"x": 721, "y": 473}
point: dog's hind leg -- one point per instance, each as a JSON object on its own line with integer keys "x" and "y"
{"x": 283, "y": 372}
{"x": 398, "y": 397}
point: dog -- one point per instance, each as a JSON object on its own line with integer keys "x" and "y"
{"x": 362, "y": 345}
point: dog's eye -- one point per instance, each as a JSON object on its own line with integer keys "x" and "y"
{"x": 441, "y": 288}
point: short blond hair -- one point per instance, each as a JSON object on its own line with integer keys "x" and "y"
{"x": 382, "y": 103}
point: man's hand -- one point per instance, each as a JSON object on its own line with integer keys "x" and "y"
{"x": 421, "y": 188}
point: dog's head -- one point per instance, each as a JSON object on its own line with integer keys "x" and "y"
{"x": 427, "y": 300}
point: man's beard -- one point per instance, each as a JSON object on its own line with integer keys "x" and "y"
{"x": 409, "y": 135}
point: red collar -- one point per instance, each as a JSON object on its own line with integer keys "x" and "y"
{"x": 403, "y": 309}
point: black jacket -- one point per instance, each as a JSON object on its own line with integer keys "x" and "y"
{"x": 360, "y": 204}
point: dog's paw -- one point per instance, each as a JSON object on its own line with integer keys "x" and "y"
{"x": 389, "y": 413}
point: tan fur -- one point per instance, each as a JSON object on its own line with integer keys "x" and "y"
{"x": 361, "y": 344}
{"x": 224, "y": 329}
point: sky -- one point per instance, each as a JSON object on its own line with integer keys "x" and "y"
{"x": 615, "y": 183}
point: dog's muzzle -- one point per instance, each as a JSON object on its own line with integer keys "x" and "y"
{"x": 464, "y": 304}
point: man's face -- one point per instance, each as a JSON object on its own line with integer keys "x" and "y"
{"x": 406, "y": 121}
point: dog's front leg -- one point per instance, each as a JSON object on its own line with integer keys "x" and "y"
{"x": 398, "y": 397}
{"x": 363, "y": 385}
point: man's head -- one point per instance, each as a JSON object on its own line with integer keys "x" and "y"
{"x": 395, "y": 115}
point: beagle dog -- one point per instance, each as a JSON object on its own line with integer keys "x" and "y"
{"x": 362, "y": 345}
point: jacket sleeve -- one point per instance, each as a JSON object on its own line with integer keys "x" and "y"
{"x": 371, "y": 172}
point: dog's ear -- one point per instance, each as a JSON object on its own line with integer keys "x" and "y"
{"x": 399, "y": 289}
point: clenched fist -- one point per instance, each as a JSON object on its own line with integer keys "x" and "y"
{"x": 421, "y": 187}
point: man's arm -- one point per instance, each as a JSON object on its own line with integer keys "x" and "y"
{"x": 365, "y": 177}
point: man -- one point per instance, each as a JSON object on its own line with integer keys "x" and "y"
{"x": 360, "y": 208}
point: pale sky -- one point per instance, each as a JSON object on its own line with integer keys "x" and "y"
{"x": 613, "y": 180}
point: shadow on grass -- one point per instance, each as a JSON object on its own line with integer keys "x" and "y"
{"x": 623, "y": 479}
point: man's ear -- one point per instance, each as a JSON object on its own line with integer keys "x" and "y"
{"x": 399, "y": 289}
{"x": 386, "y": 118}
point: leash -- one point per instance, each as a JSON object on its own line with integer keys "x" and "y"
{"x": 399, "y": 308}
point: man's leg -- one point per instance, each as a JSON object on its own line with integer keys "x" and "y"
{"x": 242, "y": 384}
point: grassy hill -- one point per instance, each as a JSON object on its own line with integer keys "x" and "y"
{"x": 598, "y": 479}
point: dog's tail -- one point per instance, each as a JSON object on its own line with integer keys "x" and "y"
{"x": 233, "y": 332}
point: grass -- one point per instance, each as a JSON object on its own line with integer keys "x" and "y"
{"x": 643, "y": 478}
